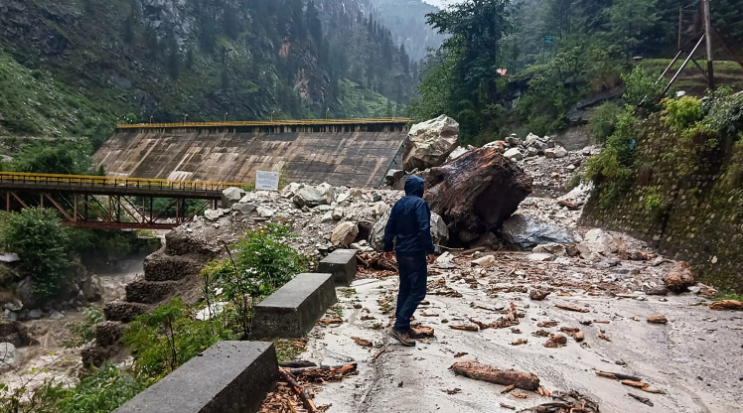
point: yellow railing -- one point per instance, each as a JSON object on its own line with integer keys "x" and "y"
{"x": 290, "y": 122}
{"x": 106, "y": 181}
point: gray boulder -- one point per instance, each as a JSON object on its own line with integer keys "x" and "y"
{"x": 429, "y": 143}
{"x": 232, "y": 195}
{"x": 7, "y": 354}
{"x": 344, "y": 234}
{"x": 312, "y": 196}
{"x": 213, "y": 214}
{"x": 551, "y": 248}
{"x": 526, "y": 232}
{"x": 92, "y": 288}
{"x": 514, "y": 154}
{"x": 25, "y": 292}
{"x": 244, "y": 209}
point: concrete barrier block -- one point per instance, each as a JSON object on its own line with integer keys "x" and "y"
{"x": 292, "y": 311}
{"x": 342, "y": 264}
{"x": 229, "y": 377}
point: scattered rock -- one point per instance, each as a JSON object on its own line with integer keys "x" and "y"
{"x": 34, "y": 314}
{"x": 556, "y": 341}
{"x": 540, "y": 257}
{"x": 264, "y": 212}
{"x": 232, "y": 195}
{"x": 514, "y": 154}
{"x": 344, "y": 234}
{"x": 597, "y": 242}
{"x": 486, "y": 262}
{"x": 526, "y": 232}
{"x": 429, "y": 143}
{"x": 551, "y": 248}
{"x": 213, "y": 214}
{"x": 538, "y": 295}
{"x": 679, "y": 277}
{"x": 244, "y": 209}
{"x": 7, "y": 354}
{"x": 92, "y": 288}
{"x": 558, "y": 152}
{"x": 439, "y": 230}
{"x": 657, "y": 291}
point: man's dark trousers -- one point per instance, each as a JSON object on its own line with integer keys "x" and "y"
{"x": 413, "y": 277}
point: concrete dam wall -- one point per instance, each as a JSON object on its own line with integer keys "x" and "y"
{"x": 350, "y": 156}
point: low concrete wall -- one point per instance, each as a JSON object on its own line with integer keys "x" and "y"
{"x": 341, "y": 264}
{"x": 354, "y": 159}
{"x": 230, "y": 377}
{"x": 292, "y": 311}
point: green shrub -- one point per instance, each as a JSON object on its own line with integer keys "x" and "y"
{"x": 682, "y": 114}
{"x": 641, "y": 89}
{"x": 603, "y": 121}
{"x": 168, "y": 337}
{"x": 44, "y": 246}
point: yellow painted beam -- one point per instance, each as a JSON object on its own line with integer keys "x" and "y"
{"x": 91, "y": 180}
{"x": 290, "y": 122}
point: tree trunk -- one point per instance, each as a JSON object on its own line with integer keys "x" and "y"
{"x": 477, "y": 371}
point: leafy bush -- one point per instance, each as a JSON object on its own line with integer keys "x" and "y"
{"x": 62, "y": 157}
{"x": 168, "y": 337}
{"x": 104, "y": 391}
{"x": 264, "y": 262}
{"x": 682, "y": 113}
{"x": 603, "y": 121}
{"x": 641, "y": 89}
{"x": 84, "y": 332}
{"x": 44, "y": 246}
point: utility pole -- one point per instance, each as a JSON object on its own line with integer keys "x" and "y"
{"x": 708, "y": 38}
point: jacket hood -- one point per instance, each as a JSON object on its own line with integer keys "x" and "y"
{"x": 414, "y": 186}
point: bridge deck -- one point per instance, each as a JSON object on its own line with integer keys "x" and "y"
{"x": 102, "y": 185}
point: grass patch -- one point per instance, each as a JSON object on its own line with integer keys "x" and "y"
{"x": 288, "y": 350}
{"x": 730, "y": 296}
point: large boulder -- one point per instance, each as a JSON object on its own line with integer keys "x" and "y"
{"x": 475, "y": 193}
{"x": 312, "y": 196}
{"x": 525, "y": 232}
{"x": 7, "y": 354}
{"x": 439, "y": 231}
{"x": 344, "y": 234}
{"x": 597, "y": 242}
{"x": 429, "y": 143}
{"x": 92, "y": 288}
{"x": 231, "y": 196}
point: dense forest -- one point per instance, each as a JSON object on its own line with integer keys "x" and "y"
{"x": 520, "y": 66}
{"x": 75, "y": 67}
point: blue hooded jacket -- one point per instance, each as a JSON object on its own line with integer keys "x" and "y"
{"x": 410, "y": 222}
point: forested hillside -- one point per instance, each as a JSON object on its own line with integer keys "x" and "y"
{"x": 407, "y": 21}
{"x": 521, "y": 66}
{"x": 75, "y": 67}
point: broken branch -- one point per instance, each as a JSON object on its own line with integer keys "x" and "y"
{"x": 477, "y": 371}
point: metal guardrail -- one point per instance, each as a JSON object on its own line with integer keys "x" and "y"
{"x": 290, "y": 122}
{"x": 105, "y": 181}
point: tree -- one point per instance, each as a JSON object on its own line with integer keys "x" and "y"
{"x": 43, "y": 245}
{"x": 66, "y": 157}
{"x": 629, "y": 23}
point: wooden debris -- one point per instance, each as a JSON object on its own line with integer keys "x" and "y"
{"x": 617, "y": 376}
{"x": 579, "y": 336}
{"x": 519, "y": 395}
{"x": 726, "y": 305}
{"x": 515, "y": 331}
{"x": 477, "y": 371}
{"x": 604, "y": 337}
{"x": 556, "y": 341}
{"x": 460, "y": 354}
{"x": 425, "y": 314}
{"x": 548, "y": 324}
{"x": 342, "y": 369}
{"x": 679, "y": 278}
{"x": 538, "y": 295}
{"x": 505, "y": 406}
{"x": 464, "y": 327}
{"x": 636, "y": 384}
{"x": 508, "y": 388}
{"x": 601, "y": 321}
{"x": 638, "y": 256}
{"x": 480, "y": 324}
{"x": 641, "y": 399}
{"x": 572, "y": 308}
{"x": 452, "y": 391}
{"x": 328, "y": 321}
{"x": 519, "y": 342}
{"x": 308, "y": 404}
{"x": 510, "y": 319}
{"x": 297, "y": 363}
{"x": 376, "y": 356}
{"x": 362, "y": 342}
{"x": 367, "y": 318}
{"x": 541, "y": 333}
{"x": 423, "y": 331}
{"x": 657, "y": 319}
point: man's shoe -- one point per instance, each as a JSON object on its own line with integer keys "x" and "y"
{"x": 414, "y": 335}
{"x": 402, "y": 337}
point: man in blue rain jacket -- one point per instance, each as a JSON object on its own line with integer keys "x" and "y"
{"x": 409, "y": 232}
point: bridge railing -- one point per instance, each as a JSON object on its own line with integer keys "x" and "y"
{"x": 289, "y": 122}
{"x": 105, "y": 181}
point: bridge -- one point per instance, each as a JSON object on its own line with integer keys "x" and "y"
{"x": 350, "y": 152}
{"x": 109, "y": 202}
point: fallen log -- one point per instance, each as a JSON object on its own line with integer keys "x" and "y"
{"x": 362, "y": 342}
{"x": 308, "y": 404}
{"x": 464, "y": 327}
{"x": 297, "y": 363}
{"x": 480, "y": 324}
{"x": 617, "y": 376}
{"x": 641, "y": 399}
{"x": 328, "y": 321}
{"x": 726, "y": 305}
{"x": 477, "y": 371}
{"x": 572, "y": 308}
{"x": 343, "y": 369}
{"x": 476, "y": 192}
{"x": 657, "y": 319}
